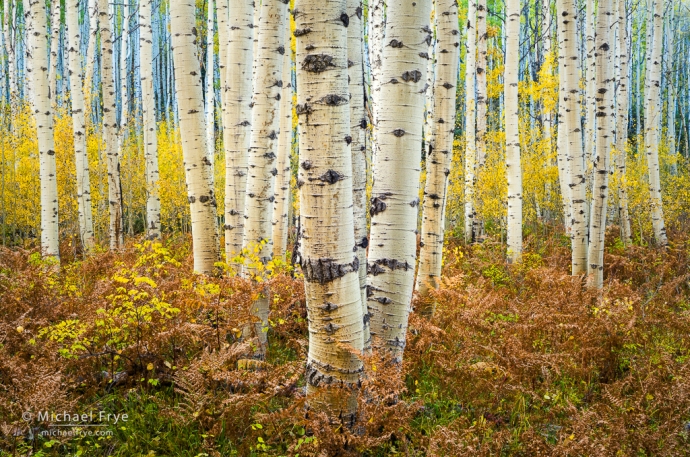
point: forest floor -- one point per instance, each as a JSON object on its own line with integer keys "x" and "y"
{"x": 518, "y": 360}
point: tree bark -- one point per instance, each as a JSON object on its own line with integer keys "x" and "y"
{"x": 513, "y": 165}
{"x": 470, "y": 120}
{"x": 334, "y": 369}
{"x": 37, "y": 56}
{"x": 622, "y": 127}
{"x": 481, "y": 88}
{"x": 395, "y": 194}
{"x": 210, "y": 106}
{"x": 440, "y": 154}
{"x": 189, "y": 87}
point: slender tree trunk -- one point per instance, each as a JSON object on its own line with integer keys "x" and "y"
{"x": 481, "y": 86}
{"x": 91, "y": 51}
{"x": 150, "y": 127}
{"x": 358, "y": 135}
{"x": 284, "y": 150}
{"x": 652, "y": 117}
{"x": 79, "y": 126}
{"x": 604, "y": 142}
{"x": 440, "y": 154}
{"x": 210, "y": 91}
{"x": 470, "y": 120}
{"x": 189, "y": 87}
{"x": 622, "y": 127}
{"x": 590, "y": 88}
{"x": 258, "y": 236}
{"x": 9, "y": 11}
{"x": 335, "y": 316}
{"x": 547, "y": 119}
{"x": 37, "y": 57}
{"x": 395, "y": 195}
{"x": 236, "y": 120}
{"x": 513, "y": 165}
{"x": 54, "y": 47}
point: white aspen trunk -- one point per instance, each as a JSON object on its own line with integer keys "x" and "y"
{"x": 440, "y": 153}
{"x": 377, "y": 33}
{"x": 124, "y": 49}
{"x": 513, "y": 165}
{"x": 590, "y": 89}
{"x": 652, "y": 122}
{"x": 481, "y": 89}
{"x": 210, "y": 91}
{"x": 334, "y": 369}
{"x": 258, "y": 236}
{"x": 358, "y": 135}
{"x": 470, "y": 120}
{"x": 54, "y": 42}
{"x": 236, "y": 121}
{"x": 395, "y": 194}
{"x": 148, "y": 107}
{"x": 79, "y": 126}
{"x": 570, "y": 152}
{"x": 37, "y": 65}
{"x": 91, "y": 51}
{"x": 429, "y": 103}
{"x": 10, "y": 40}
{"x": 546, "y": 37}
{"x": 110, "y": 127}
{"x": 189, "y": 87}
{"x": 282, "y": 181}
{"x": 622, "y": 127}
{"x": 604, "y": 142}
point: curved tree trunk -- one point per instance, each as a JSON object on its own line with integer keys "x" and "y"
{"x": 622, "y": 127}
{"x": 513, "y": 165}
{"x": 470, "y": 120}
{"x": 440, "y": 153}
{"x": 604, "y": 141}
{"x": 153, "y": 201}
{"x": 358, "y": 134}
{"x": 652, "y": 123}
{"x": 395, "y": 195}
{"x": 79, "y": 126}
{"x": 110, "y": 127}
{"x": 335, "y": 317}
{"x": 189, "y": 87}
{"x": 236, "y": 120}
{"x": 258, "y": 236}
{"x": 281, "y": 206}
{"x": 43, "y": 115}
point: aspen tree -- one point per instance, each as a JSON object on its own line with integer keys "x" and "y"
{"x": 54, "y": 46}
{"x": 259, "y": 199}
{"x": 92, "y": 12}
{"x": 189, "y": 87}
{"x": 79, "y": 126}
{"x": 124, "y": 101}
{"x": 9, "y": 11}
{"x": 513, "y": 165}
{"x": 395, "y": 193}
{"x": 622, "y": 125}
{"x": 110, "y": 127}
{"x": 590, "y": 87}
{"x": 377, "y": 33}
{"x": 334, "y": 308}
{"x": 481, "y": 87}
{"x": 148, "y": 107}
{"x": 470, "y": 120}
{"x": 37, "y": 56}
{"x": 440, "y": 153}
{"x": 281, "y": 205}
{"x": 210, "y": 91}
{"x": 571, "y": 158}
{"x": 236, "y": 120}
{"x": 652, "y": 122}
{"x": 604, "y": 142}
{"x": 547, "y": 119}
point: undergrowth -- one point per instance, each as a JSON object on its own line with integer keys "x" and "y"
{"x": 519, "y": 359}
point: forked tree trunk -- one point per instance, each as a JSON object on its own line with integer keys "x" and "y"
{"x": 43, "y": 115}
{"x": 440, "y": 154}
{"x": 284, "y": 150}
{"x": 513, "y": 165}
{"x": 258, "y": 230}
{"x": 236, "y": 120}
{"x": 604, "y": 141}
{"x": 153, "y": 201}
{"x": 570, "y": 153}
{"x": 81, "y": 158}
{"x": 652, "y": 122}
{"x": 395, "y": 195}
{"x": 189, "y": 87}
{"x": 334, "y": 369}
{"x": 622, "y": 127}
{"x": 470, "y": 120}
{"x": 358, "y": 134}
{"x": 110, "y": 127}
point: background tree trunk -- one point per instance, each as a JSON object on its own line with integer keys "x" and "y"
{"x": 622, "y": 127}
{"x": 470, "y": 120}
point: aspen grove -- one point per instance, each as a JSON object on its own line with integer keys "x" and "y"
{"x": 345, "y": 227}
